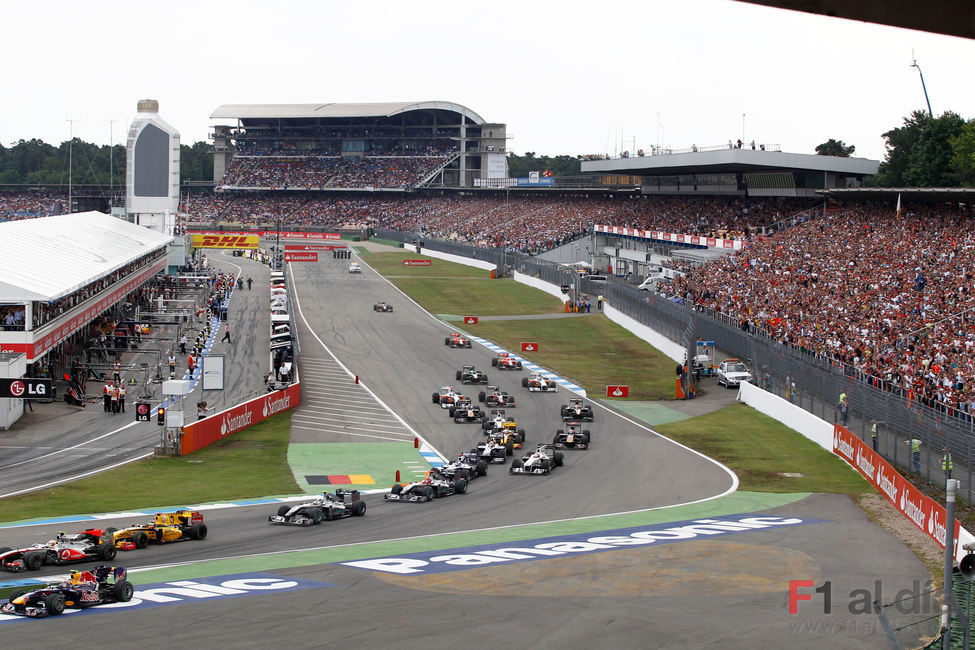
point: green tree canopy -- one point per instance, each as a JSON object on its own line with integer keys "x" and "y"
{"x": 919, "y": 153}
{"x": 834, "y": 147}
{"x": 562, "y": 165}
{"x": 963, "y": 154}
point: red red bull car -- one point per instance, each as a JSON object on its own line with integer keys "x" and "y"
{"x": 103, "y": 584}
{"x": 455, "y": 340}
{"x": 505, "y": 361}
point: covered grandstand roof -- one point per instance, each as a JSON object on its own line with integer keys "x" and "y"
{"x": 296, "y": 111}
{"x": 50, "y": 257}
{"x": 729, "y": 161}
{"x": 910, "y": 194}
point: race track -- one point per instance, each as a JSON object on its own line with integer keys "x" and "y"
{"x": 703, "y": 592}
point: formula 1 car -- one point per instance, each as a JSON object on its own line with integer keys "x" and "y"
{"x": 539, "y": 383}
{"x": 455, "y": 340}
{"x": 576, "y": 410}
{"x": 177, "y": 526}
{"x": 344, "y": 503}
{"x": 354, "y": 267}
{"x": 494, "y": 396}
{"x": 434, "y": 485}
{"x": 464, "y": 411}
{"x": 501, "y": 423}
{"x": 468, "y": 465}
{"x": 469, "y": 375}
{"x": 445, "y": 397}
{"x": 382, "y": 306}
{"x": 495, "y": 450}
{"x": 573, "y": 436}
{"x": 63, "y": 549}
{"x": 541, "y": 461}
{"x": 505, "y": 361}
{"x": 103, "y": 584}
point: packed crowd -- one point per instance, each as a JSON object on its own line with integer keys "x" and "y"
{"x": 27, "y": 205}
{"x": 301, "y": 172}
{"x": 890, "y": 297}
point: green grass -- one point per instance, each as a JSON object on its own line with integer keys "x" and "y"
{"x": 759, "y": 450}
{"x": 251, "y": 463}
{"x": 592, "y": 351}
{"x": 391, "y": 265}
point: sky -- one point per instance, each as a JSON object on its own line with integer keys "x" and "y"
{"x": 567, "y": 77}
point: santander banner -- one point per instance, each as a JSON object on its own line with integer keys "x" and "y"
{"x": 226, "y": 423}
{"x": 710, "y": 242}
{"x": 926, "y": 513}
{"x": 270, "y": 233}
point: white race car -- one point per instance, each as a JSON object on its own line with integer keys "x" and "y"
{"x": 354, "y": 267}
{"x": 539, "y": 383}
{"x": 541, "y": 461}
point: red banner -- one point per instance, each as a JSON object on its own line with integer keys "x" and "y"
{"x": 528, "y": 347}
{"x": 417, "y": 262}
{"x": 297, "y": 248}
{"x": 300, "y": 257}
{"x": 316, "y": 236}
{"x": 617, "y": 391}
{"x": 226, "y": 423}
{"x": 470, "y": 320}
{"x": 926, "y": 513}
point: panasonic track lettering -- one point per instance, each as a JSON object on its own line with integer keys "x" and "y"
{"x": 537, "y": 549}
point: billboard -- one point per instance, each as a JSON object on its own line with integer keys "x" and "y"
{"x": 300, "y": 257}
{"x": 209, "y": 430}
{"x": 225, "y": 241}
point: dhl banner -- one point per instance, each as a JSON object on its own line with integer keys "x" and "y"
{"x": 225, "y": 241}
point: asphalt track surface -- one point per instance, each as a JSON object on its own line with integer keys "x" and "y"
{"x": 722, "y": 592}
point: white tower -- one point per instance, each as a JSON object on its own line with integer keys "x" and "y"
{"x": 152, "y": 170}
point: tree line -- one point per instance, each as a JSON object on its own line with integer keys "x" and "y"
{"x": 924, "y": 151}
{"x": 35, "y": 162}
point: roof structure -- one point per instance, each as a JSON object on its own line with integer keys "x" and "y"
{"x": 911, "y": 194}
{"x": 729, "y": 161}
{"x": 332, "y": 110}
{"x": 50, "y": 257}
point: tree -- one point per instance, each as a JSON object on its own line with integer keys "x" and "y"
{"x": 561, "y": 165}
{"x": 919, "y": 153}
{"x": 963, "y": 155}
{"x": 835, "y": 148}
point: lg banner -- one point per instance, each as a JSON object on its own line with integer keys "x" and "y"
{"x": 207, "y": 431}
{"x": 927, "y": 514}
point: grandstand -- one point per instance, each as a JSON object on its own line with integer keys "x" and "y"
{"x": 394, "y": 146}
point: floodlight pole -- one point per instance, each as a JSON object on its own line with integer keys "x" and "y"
{"x": 923, "y": 86}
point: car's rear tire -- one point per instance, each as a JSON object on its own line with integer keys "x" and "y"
{"x": 198, "y": 531}
{"x": 54, "y": 604}
{"x": 396, "y": 489}
{"x": 122, "y": 591}
{"x": 452, "y": 410}
{"x": 317, "y": 515}
{"x": 509, "y": 449}
{"x": 460, "y": 486}
{"x": 588, "y": 434}
{"x": 458, "y": 375}
{"x": 141, "y": 540}
{"x": 436, "y": 398}
{"x": 283, "y": 510}
{"x": 358, "y": 508}
{"x": 557, "y": 458}
{"x": 524, "y": 382}
{"x": 481, "y": 468}
{"x": 33, "y": 561}
{"x": 446, "y": 341}
{"x": 521, "y": 436}
{"x": 482, "y": 396}
{"x": 494, "y": 362}
{"x": 107, "y": 551}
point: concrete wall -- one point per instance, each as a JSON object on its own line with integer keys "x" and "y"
{"x": 818, "y": 430}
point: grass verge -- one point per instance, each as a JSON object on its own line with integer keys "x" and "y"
{"x": 251, "y": 463}
{"x": 761, "y": 451}
{"x": 592, "y": 351}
